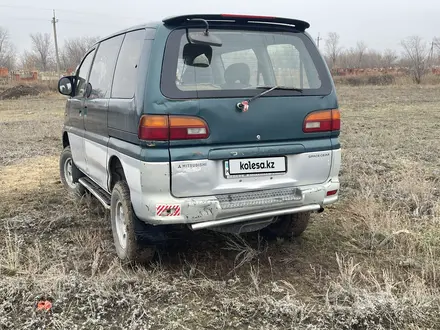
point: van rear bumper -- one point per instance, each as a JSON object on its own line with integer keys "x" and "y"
{"x": 155, "y": 204}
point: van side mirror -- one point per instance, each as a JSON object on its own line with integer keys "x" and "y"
{"x": 89, "y": 90}
{"x": 65, "y": 85}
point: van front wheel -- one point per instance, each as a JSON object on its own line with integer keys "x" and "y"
{"x": 125, "y": 225}
{"x": 288, "y": 226}
{"x": 68, "y": 171}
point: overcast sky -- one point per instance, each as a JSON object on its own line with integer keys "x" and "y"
{"x": 379, "y": 23}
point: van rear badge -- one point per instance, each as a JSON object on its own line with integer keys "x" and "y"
{"x": 258, "y": 137}
{"x": 243, "y": 106}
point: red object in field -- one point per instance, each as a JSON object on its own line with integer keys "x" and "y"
{"x": 44, "y": 305}
{"x": 4, "y": 72}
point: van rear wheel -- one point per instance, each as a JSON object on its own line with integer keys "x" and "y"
{"x": 288, "y": 226}
{"x": 126, "y": 227}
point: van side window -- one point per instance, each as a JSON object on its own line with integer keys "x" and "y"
{"x": 82, "y": 73}
{"x": 239, "y": 57}
{"x": 290, "y": 66}
{"x": 125, "y": 80}
{"x": 103, "y": 67}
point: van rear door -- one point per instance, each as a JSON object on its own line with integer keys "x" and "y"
{"x": 272, "y": 143}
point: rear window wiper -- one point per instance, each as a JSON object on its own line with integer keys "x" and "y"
{"x": 271, "y": 88}
{"x": 244, "y": 106}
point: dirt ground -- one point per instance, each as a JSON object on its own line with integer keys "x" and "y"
{"x": 369, "y": 262}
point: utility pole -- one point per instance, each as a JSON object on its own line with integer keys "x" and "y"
{"x": 54, "y": 22}
{"x": 431, "y": 53}
{"x": 318, "y": 40}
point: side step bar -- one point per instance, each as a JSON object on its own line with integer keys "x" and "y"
{"x": 250, "y": 217}
{"x": 101, "y": 195}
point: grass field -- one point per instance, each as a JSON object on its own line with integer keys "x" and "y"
{"x": 372, "y": 261}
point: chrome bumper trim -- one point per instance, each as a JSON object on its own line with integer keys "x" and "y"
{"x": 249, "y": 217}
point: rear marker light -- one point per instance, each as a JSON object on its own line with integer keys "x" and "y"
{"x": 332, "y": 192}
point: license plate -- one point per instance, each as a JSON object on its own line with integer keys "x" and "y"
{"x": 256, "y": 166}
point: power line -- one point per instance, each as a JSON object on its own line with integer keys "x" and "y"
{"x": 70, "y": 11}
{"x": 73, "y": 21}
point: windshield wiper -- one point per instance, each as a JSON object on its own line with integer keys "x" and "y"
{"x": 244, "y": 106}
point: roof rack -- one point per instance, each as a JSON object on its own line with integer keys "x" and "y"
{"x": 300, "y": 25}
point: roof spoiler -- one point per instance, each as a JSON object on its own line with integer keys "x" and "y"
{"x": 299, "y": 25}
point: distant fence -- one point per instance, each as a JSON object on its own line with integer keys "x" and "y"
{"x": 7, "y": 76}
{"x": 397, "y": 71}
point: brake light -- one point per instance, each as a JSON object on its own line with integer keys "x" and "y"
{"x": 186, "y": 128}
{"x": 247, "y": 16}
{"x": 322, "y": 121}
{"x": 164, "y": 128}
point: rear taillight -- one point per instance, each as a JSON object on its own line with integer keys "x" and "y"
{"x": 332, "y": 192}
{"x": 164, "y": 128}
{"x": 154, "y": 128}
{"x": 322, "y": 121}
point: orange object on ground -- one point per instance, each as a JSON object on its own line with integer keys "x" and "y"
{"x": 44, "y": 305}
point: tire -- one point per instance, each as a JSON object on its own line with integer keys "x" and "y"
{"x": 69, "y": 172}
{"x": 288, "y": 226}
{"x": 126, "y": 227}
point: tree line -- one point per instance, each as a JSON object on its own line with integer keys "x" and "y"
{"x": 41, "y": 55}
{"x": 416, "y": 54}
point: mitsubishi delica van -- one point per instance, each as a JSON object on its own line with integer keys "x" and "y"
{"x": 220, "y": 122}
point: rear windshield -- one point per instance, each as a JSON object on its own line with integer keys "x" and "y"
{"x": 246, "y": 60}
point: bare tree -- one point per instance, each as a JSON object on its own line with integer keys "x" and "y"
{"x": 436, "y": 51}
{"x": 416, "y": 53}
{"x": 372, "y": 59}
{"x": 42, "y": 49}
{"x": 361, "y": 48}
{"x": 28, "y": 61}
{"x": 389, "y": 58}
{"x": 7, "y": 50}
{"x": 347, "y": 59}
{"x": 332, "y": 47}
{"x": 74, "y": 49}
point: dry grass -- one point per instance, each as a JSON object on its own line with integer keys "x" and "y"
{"x": 369, "y": 262}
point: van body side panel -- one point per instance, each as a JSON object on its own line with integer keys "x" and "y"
{"x": 96, "y": 139}
{"x": 77, "y": 148}
{"x": 159, "y": 153}
{"x": 74, "y": 126}
{"x": 124, "y": 113}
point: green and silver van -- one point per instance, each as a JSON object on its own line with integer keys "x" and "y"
{"x": 222, "y": 122}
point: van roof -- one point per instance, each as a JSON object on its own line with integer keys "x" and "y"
{"x": 176, "y": 20}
